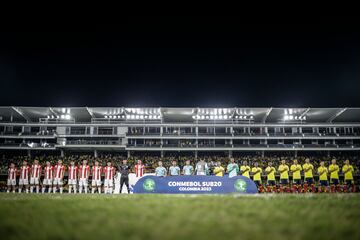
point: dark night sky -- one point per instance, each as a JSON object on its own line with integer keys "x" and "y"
{"x": 175, "y": 62}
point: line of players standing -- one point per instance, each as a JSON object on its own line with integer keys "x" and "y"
{"x": 78, "y": 177}
{"x": 308, "y": 185}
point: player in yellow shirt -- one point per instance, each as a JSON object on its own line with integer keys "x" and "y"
{"x": 284, "y": 175}
{"x": 219, "y": 170}
{"x": 245, "y": 170}
{"x": 256, "y": 171}
{"x": 323, "y": 176}
{"x": 334, "y": 175}
{"x": 348, "y": 170}
{"x": 295, "y": 169}
{"x": 308, "y": 169}
{"x": 270, "y": 174}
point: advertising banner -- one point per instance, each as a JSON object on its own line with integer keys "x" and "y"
{"x": 195, "y": 185}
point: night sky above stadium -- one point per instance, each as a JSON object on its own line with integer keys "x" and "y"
{"x": 175, "y": 62}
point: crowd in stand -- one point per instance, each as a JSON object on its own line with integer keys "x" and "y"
{"x": 151, "y": 161}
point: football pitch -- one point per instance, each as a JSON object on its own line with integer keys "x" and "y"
{"x": 281, "y": 216}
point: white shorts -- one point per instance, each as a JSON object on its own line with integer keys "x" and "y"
{"x": 58, "y": 181}
{"x": 108, "y": 183}
{"x": 95, "y": 183}
{"x": 72, "y": 182}
{"x": 11, "y": 182}
{"x": 23, "y": 181}
{"x": 83, "y": 182}
{"x": 47, "y": 182}
{"x": 34, "y": 181}
{"x": 200, "y": 174}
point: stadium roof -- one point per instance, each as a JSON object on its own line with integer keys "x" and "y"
{"x": 168, "y": 114}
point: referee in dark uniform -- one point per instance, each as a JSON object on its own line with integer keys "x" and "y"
{"x": 124, "y": 169}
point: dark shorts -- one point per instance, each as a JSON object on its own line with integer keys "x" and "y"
{"x": 348, "y": 182}
{"x": 324, "y": 183}
{"x": 271, "y": 182}
{"x": 334, "y": 181}
{"x": 309, "y": 180}
{"x": 297, "y": 181}
{"x": 257, "y": 182}
{"x": 284, "y": 181}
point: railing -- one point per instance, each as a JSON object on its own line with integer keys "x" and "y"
{"x": 92, "y": 142}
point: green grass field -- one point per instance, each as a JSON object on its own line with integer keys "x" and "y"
{"x": 321, "y": 216}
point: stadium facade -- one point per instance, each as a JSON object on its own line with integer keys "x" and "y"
{"x": 194, "y": 130}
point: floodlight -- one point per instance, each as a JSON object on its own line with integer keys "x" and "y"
{"x": 286, "y": 117}
{"x": 291, "y": 117}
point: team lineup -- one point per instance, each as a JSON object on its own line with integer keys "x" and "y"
{"x": 79, "y": 176}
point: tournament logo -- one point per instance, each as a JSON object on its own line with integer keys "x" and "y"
{"x": 240, "y": 185}
{"x": 149, "y": 185}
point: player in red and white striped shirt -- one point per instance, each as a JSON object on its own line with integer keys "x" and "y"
{"x": 72, "y": 176}
{"x": 139, "y": 169}
{"x": 59, "y": 171}
{"x": 48, "y": 177}
{"x": 11, "y": 181}
{"x": 84, "y": 172}
{"x": 96, "y": 177}
{"x": 109, "y": 178}
{"x": 35, "y": 173}
{"x": 24, "y": 177}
